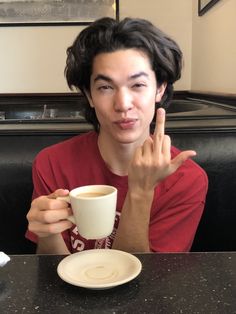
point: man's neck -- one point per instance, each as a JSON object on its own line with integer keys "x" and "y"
{"x": 116, "y": 155}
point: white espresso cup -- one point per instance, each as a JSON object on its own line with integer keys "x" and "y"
{"x": 94, "y": 210}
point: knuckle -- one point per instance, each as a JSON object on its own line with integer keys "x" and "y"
{"x": 29, "y": 216}
{"x": 137, "y": 162}
{"x": 33, "y": 226}
{"x": 51, "y": 204}
{"x": 34, "y": 202}
{"x": 30, "y": 227}
{"x": 47, "y": 216}
{"x": 52, "y": 216}
{"x": 161, "y": 163}
{"x": 57, "y": 227}
{"x": 157, "y": 163}
{"x": 167, "y": 137}
{"x": 52, "y": 228}
{"x": 37, "y": 201}
{"x": 160, "y": 136}
{"x": 148, "y": 141}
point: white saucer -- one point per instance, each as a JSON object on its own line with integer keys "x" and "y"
{"x": 99, "y": 268}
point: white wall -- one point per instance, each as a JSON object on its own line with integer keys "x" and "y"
{"x": 214, "y": 48}
{"x": 32, "y": 59}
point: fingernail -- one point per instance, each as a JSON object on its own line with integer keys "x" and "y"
{"x": 161, "y": 111}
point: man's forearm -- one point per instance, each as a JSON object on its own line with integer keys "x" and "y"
{"x": 133, "y": 230}
{"x": 52, "y": 245}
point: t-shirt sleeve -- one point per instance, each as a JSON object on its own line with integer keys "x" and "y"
{"x": 174, "y": 224}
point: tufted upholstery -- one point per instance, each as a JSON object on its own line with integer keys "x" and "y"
{"x": 216, "y": 154}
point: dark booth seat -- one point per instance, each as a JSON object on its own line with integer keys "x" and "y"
{"x": 216, "y": 154}
{"x": 17, "y": 154}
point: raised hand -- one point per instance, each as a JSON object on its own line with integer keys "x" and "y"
{"x": 152, "y": 161}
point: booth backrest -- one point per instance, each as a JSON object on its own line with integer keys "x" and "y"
{"x": 216, "y": 153}
{"x": 17, "y": 153}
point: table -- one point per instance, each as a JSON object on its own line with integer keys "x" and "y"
{"x": 168, "y": 283}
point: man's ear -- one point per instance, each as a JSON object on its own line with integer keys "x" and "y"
{"x": 160, "y": 91}
{"x": 87, "y": 93}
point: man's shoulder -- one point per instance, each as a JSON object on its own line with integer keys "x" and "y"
{"x": 189, "y": 182}
{"x": 190, "y": 169}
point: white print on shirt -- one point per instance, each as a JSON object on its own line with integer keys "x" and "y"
{"x": 75, "y": 231}
{"x": 77, "y": 244}
{"x": 106, "y": 243}
{"x": 117, "y": 218}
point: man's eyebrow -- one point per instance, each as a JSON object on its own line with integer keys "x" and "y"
{"x": 137, "y": 75}
{"x": 108, "y": 79}
{"x": 102, "y": 77}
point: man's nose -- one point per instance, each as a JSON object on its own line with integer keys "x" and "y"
{"x": 123, "y": 100}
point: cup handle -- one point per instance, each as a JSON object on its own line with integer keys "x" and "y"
{"x": 67, "y": 199}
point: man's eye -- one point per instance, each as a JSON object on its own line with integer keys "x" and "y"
{"x": 139, "y": 85}
{"x": 104, "y": 87}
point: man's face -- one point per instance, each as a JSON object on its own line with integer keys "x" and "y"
{"x": 123, "y": 94}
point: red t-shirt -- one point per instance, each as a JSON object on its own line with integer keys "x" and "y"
{"x": 177, "y": 205}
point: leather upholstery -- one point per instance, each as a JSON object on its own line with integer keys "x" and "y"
{"x": 16, "y": 156}
{"x": 216, "y": 154}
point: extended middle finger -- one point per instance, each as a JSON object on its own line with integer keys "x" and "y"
{"x": 159, "y": 130}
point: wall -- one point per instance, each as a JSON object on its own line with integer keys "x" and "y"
{"x": 214, "y": 48}
{"x": 32, "y": 59}
{"x": 173, "y": 17}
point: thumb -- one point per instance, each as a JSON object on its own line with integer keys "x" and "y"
{"x": 181, "y": 158}
{"x": 59, "y": 192}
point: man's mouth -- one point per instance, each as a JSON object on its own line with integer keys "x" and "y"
{"x": 126, "y": 123}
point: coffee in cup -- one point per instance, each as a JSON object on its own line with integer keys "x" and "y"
{"x": 90, "y": 194}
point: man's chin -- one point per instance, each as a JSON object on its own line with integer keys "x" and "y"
{"x": 128, "y": 139}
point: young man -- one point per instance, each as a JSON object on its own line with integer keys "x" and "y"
{"x": 125, "y": 69}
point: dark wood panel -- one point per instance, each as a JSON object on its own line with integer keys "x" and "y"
{"x": 228, "y": 99}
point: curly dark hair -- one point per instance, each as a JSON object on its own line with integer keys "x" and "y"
{"x": 108, "y": 35}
